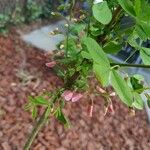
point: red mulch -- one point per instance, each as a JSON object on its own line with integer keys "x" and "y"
{"x": 23, "y": 73}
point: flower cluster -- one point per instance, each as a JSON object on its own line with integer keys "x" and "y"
{"x": 72, "y": 96}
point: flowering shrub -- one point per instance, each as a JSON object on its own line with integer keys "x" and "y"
{"x": 92, "y": 35}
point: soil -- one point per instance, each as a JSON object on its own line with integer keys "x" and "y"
{"x": 23, "y": 73}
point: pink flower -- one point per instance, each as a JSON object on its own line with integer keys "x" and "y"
{"x": 109, "y": 109}
{"x": 76, "y": 97}
{"x": 51, "y": 64}
{"x": 105, "y": 111}
{"x": 113, "y": 94}
{"x": 71, "y": 96}
{"x": 67, "y": 95}
{"x": 100, "y": 90}
{"x": 90, "y": 111}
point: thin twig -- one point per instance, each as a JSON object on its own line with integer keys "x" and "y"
{"x": 130, "y": 65}
{"x": 68, "y": 29}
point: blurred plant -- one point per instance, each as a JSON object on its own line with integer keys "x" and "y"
{"x": 33, "y": 11}
{"x": 17, "y": 17}
{"x": 8, "y": 19}
{"x": 47, "y": 9}
{"x": 4, "y": 19}
{"x": 94, "y": 33}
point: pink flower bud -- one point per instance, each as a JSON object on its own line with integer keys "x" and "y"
{"x": 76, "y": 97}
{"x": 105, "y": 111}
{"x": 132, "y": 113}
{"x": 111, "y": 109}
{"x": 100, "y": 90}
{"x": 90, "y": 111}
{"x": 51, "y": 64}
{"x": 67, "y": 95}
{"x": 113, "y": 94}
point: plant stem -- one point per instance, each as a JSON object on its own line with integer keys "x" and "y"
{"x": 130, "y": 65}
{"x": 68, "y": 29}
{"x": 90, "y": 14}
{"x": 142, "y": 89}
{"x": 40, "y": 123}
{"x": 35, "y": 131}
{"x": 130, "y": 56}
{"x": 67, "y": 40}
{"x": 110, "y": 26}
{"x": 71, "y": 8}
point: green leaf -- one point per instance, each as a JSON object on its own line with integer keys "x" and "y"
{"x": 112, "y": 47}
{"x": 101, "y": 65}
{"x": 102, "y": 13}
{"x": 71, "y": 46}
{"x": 148, "y": 102}
{"x": 127, "y": 5}
{"x": 28, "y": 106}
{"x": 145, "y": 55}
{"x": 138, "y": 102}
{"x": 95, "y": 51}
{"x": 136, "y": 84}
{"x": 77, "y": 28}
{"x": 148, "y": 99}
{"x": 34, "y": 112}
{"x": 144, "y": 14}
{"x": 48, "y": 111}
{"x": 132, "y": 40}
{"x": 39, "y": 100}
{"x": 121, "y": 87}
{"x": 102, "y": 73}
{"x": 60, "y": 116}
{"x": 85, "y": 55}
{"x": 95, "y": 31}
{"x": 64, "y": 6}
{"x": 146, "y": 50}
{"x": 138, "y": 77}
{"x": 141, "y": 33}
{"x": 146, "y": 27}
{"x": 62, "y": 104}
{"x": 71, "y": 71}
{"x": 137, "y": 6}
